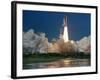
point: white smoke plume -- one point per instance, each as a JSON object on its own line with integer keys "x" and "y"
{"x": 34, "y": 43}
{"x": 84, "y": 45}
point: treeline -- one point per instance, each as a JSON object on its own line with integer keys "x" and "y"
{"x": 63, "y": 55}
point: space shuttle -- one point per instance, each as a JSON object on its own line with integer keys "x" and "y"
{"x": 63, "y": 25}
{"x": 65, "y": 31}
{"x": 65, "y": 21}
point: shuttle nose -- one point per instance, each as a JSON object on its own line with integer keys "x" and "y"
{"x": 65, "y": 21}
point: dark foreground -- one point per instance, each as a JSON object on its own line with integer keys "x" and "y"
{"x": 55, "y": 60}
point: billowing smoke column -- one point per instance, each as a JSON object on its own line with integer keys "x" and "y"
{"x": 65, "y": 33}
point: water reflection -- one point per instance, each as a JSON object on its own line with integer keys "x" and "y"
{"x": 59, "y": 63}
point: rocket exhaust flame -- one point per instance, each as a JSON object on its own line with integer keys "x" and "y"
{"x": 65, "y": 33}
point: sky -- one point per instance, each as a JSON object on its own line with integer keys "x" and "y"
{"x": 50, "y": 23}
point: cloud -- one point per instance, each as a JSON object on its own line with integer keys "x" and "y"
{"x": 37, "y": 43}
{"x": 84, "y": 44}
{"x": 33, "y": 42}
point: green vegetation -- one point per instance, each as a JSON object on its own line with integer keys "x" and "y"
{"x": 48, "y": 57}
